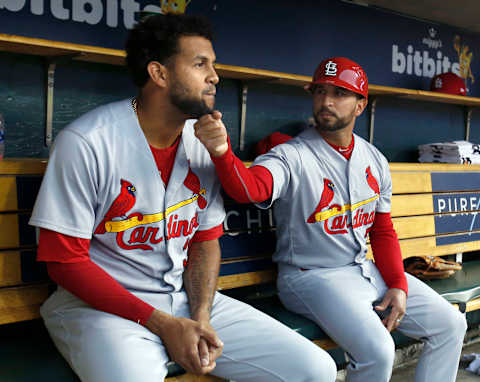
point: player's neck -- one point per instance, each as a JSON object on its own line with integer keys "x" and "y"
{"x": 342, "y": 138}
{"x": 159, "y": 122}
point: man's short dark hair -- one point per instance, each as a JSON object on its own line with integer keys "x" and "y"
{"x": 155, "y": 38}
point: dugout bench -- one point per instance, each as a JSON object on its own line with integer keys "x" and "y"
{"x": 433, "y": 208}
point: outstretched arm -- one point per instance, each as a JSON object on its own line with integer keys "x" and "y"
{"x": 245, "y": 185}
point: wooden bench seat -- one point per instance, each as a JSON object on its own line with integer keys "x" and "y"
{"x": 432, "y": 208}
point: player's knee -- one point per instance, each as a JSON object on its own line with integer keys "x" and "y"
{"x": 382, "y": 354}
{"x": 317, "y": 366}
{"x": 455, "y": 325}
{"x": 324, "y": 371}
{"x": 327, "y": 371}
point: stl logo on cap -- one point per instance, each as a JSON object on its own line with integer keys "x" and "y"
{"x": 331, "y": 68}
{"x": 438, "y": 83}
{"x": 342, "y": 72}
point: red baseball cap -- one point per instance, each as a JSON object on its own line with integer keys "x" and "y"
{"x": 342, "y": 72}
{"x": 448, "y": 83}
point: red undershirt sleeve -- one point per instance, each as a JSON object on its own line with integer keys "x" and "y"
{"x": 386, "y": 252}
{"x": 69, "y": 265}
{"x": 245, "y": 185}
{"x": 209, "y": 234}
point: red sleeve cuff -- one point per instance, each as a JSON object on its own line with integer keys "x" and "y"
{"x": 224, "y": 162}
{"x": 245, "y": 185}
{"x": 401, "y": 283}
{"x": 209, "y": 234}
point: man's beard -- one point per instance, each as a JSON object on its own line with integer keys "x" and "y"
{"x": 194, "y": 108}
{"x": 338, "y": 124}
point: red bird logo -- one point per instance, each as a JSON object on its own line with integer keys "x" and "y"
{"x": 326, "y": 198}
{"x": 193, "y": 184}
{"x": 372, "y": 182}
{"x": 120, "y": 206}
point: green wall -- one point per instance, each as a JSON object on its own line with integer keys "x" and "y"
{"x": 400, "y": 125}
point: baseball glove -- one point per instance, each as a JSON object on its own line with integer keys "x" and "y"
{"x": 430, "y": 267}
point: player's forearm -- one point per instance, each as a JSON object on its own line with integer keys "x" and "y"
{"x": 242, "y": 184}
{"x": 245, "y": 185}
{"x": 158, "y": 322}
{"x": 387, "y": 253}
{"x": 200, "y": 277}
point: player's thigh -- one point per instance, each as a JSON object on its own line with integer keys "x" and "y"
{"x": 340, "y": 302}
{"x": 259, "y": 348}
{"x": 102, "y": 347}
{"x": 428, "y": 313}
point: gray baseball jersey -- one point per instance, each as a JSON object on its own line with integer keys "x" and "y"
{"x": 323, "y": 219}
{"x": 324, "y": 207}
{"x": 102, "y": 184}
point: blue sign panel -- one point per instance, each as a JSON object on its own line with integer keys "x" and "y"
{"x": 451, "y": 223}
{"x": 276, "y": 35}
{"x": 450, "y": 203}
{"x": 247, "y": 244}
{"x": 455, "y": 239}
{"x": 245, "y": 266}
{"x": 454, "y": 216}
{"x": 242, "y": 217}
{"x": 455, "y": 181}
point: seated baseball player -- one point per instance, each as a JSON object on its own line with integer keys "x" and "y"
{"x": 130, "y": 215}
{"x": 330, "y": 189}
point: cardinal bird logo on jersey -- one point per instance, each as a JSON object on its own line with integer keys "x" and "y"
{"x": 120, "y": 206}
{"x": 326, "y": 198}
{"x": 372, "y": 182}
{"x": 193, "y": 184}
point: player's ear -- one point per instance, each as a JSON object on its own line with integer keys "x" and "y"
{"x": 158, "y": 73}
{"x": 361, "y": 105}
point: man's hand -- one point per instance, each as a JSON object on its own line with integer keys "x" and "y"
{"x": 208, "y": 353}
{"x": 397, "y": 300}
{"x": 193, "y": 345}
{"x": 211, "y": 131}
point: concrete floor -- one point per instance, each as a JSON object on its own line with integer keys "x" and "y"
{"x": 407, "y": 358}
{"x": 406, "y": 373}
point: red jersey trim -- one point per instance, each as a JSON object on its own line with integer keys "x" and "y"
{"x": 209, "y": 234}
{"x": 346, "y": 152}
{"x": 245, "y": 185}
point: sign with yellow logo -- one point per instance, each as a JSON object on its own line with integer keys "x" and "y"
{"x": 175, "y": 7}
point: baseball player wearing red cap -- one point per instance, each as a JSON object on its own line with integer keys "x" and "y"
{"x": 329, "y": 190}
{"x": 130, "y": 215}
